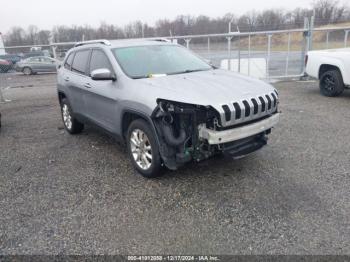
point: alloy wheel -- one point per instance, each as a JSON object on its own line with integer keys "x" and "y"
{"x": 329, "y": 82}
{"x": 67, "y": 118}
{"x": 141, "y": 149}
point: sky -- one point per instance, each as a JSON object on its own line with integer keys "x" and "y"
{"x": 45, "y": 13}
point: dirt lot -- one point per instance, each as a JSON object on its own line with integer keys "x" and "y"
{"x": 63, "y": 194}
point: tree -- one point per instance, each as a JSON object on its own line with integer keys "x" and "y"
{"x": 326, "y": 11}
{"x": 32, "y": 34}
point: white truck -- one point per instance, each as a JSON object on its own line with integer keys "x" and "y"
{"x": 332, "y": 68}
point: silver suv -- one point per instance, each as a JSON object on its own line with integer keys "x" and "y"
{"x": 168, "y": 105}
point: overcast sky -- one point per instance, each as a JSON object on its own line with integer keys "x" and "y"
{"x": 47, "y": 13}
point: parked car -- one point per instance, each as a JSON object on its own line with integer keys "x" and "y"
{"x": 37, "y": 64}
{"x": 37, "y": 53}
{"x": 5, "y": 66}
{"x": 168, "y": 105}
{"x": 11, "y": 58}
{"x": 332, "y": 68}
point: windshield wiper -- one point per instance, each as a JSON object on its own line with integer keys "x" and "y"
{"x": 188, "y": 71}
{"x": 174, "y": 73}
{"x": 140, "y": 77}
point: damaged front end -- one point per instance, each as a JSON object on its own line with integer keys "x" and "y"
{"x": 177, "y": 128}
{"x": 189, "y": 132}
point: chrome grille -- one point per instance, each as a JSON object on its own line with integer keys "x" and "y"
{"x": 248, "y": 109}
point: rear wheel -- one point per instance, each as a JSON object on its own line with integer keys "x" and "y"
{"x": 72, "y": 125}
{"x": 143, "y": 149}
{"x": 27, "y": 71}
{"x": 331, "y": 83}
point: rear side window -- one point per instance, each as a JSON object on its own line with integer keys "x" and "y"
{"x": 69, "y": 61}
{"x": 33, "y": 59}
{"x": 99, "y": 60}
{"x": 80, "y": 61}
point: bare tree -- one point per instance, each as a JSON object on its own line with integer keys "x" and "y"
{"x": 326, "y": 11}
{"x": 32, "y": 33}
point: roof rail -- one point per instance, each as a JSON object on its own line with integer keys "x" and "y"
{"x": 99, "y": 41}
{"x": 160, "y": 39}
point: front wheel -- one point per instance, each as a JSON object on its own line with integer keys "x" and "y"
{"x": 72, "y": 125}
{"x": 27, "y": 71}
{"x": 143, "y": 149}
{"x": 331, "y": 83}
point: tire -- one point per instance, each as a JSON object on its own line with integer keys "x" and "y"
{"x": 27, "y": 71}
{"x": 72, "y": 125}
{"x": 331, "y": 83}
{"x": 142, "y": 143}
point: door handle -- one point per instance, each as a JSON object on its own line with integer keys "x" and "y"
{"x": 66, "y": 79}
{"x": 87, "y": 85}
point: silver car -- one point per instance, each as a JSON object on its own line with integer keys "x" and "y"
{"x": 168, "y": 105}
{"x": 37, "y": 64}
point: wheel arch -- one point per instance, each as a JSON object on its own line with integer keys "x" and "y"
{"x": 129, "y": 115}
{"x": 329, "y": 63}
{"x": 31, "y": 69}
{"x": 327, "y": 67}
{"x": 61, "y": 96}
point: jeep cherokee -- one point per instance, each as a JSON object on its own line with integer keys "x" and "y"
{"x": 167, "y": 104}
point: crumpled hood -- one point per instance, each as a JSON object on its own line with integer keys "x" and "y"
{"x": 214, "y": 87}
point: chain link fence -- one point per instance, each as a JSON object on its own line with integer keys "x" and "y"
{"x": 264, "y": 54}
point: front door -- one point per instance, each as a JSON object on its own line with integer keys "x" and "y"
{"x": 76, "y": 79}
{"x": 101, "y": 101}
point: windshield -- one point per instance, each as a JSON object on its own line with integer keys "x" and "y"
{"x": 145, "y": 61}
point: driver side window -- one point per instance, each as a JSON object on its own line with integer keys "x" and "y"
{"x": 99, "y": 60}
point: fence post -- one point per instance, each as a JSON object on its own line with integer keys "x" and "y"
{"x": 208, "y": 46}
{"x": 311, "y": 32}
{"x": 269, "y": 36}
{"x": 306, "y": 45}
{"x": 54, "y": 51}
{"x": 288, "y": 54}
{"x": 229, "y": 38}
{"x": 327, "y": 40}
{"x": 188, "y": 40}
{"x": 249, "y": 47}
{"x": 239, "y": 54}
{"x": 346, "y": 38}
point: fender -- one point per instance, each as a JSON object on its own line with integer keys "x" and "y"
{"x": 143, "y": 116}
{"x": 334, "y": 62}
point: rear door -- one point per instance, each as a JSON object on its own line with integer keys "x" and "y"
{"x": 76, "y": 78}
{"x": 48, "y": 64}
{"x": 34, "y": 63}
{"x": 101, "y": 101}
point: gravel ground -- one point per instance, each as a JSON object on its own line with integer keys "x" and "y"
{"x": 63, "y": 194}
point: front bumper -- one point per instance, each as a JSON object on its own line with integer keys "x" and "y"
{"x": 220, "y": 137}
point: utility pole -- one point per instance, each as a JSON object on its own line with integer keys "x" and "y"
{"x": 51, "y": 41}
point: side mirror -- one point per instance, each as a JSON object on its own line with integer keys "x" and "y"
{"x": 102, "y": 74}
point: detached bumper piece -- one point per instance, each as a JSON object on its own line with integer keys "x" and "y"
{"x": 215, "y": 137}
